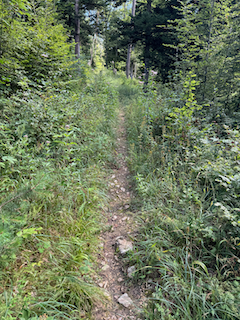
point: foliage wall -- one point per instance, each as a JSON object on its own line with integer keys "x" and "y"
{"x": 33, "y": 45}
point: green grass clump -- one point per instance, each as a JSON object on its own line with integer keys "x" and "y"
{"x": 187, "y": 179}
{"x": 127, "y": 89}
{"x": 55, "y": 149}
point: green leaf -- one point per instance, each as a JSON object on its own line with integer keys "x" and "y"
{"x": 9, "y": 158}
{"x": 201, "y": 264}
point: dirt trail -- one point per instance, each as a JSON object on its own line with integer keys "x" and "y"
{"x": 120, "y": 221}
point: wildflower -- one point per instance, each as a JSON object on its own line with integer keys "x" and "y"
{"x": 47, "y": 142}
{"x": 154, "y": 73}
{"x": 67, "y": 126}
{"x": 141, "y": 82}
{"x": 25, "y": 136}
{"x": 70, "y": 76}
{"x": 44, "y": 55}
{"x": 139, "y": 77}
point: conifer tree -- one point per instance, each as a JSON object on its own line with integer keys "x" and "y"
{"x": 80, "y": 16}
{"x": 151, "y": 33}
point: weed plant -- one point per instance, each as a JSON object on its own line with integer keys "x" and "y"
{"x": 127, "y": 88}
{"x": 187, "y": 180}
{"x": 55, "y": 148}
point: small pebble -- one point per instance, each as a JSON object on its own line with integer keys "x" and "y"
{"x": 105, "y": 267}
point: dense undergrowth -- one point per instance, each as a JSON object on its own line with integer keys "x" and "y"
{"x": 56, "y": 145}
{"x": 187, "y": 177}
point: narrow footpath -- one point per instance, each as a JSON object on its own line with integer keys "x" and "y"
{"x": 126, "y": 299}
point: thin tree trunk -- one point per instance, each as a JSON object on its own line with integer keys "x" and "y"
{"x": 92, "y": 50}
{"x": 149, "y": 5}
{"x": 208, "y": 48}
{"x": 130, "y": 45}
{"x": 147, "y": 51}
{"x": 135, "y": 69}
{"x": 77, "y": 29}
{"x": 147, "y": 67}
{"x": 128, "y": 60}
{"x": 131, "y": 71}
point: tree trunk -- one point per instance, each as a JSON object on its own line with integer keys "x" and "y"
{"x": 208, "y": 47}
{"x": 147, "y": 66}
{"x": 77, "y": 30}
{"x": 128, "y": 60}
{"x": 130, "y": 45}
{"x": 131, "y": 71}
{"x": 92, "y": 50}
{"x": 149, "y": 5}
{"x": 147, "y": 51}
{"x": 135, "y": 69}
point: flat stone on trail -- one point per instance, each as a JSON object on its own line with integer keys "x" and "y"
{"x": 130, "y": 271}
{"x": 124, "y": 245}
{"x": 125, "y": 300}
{"x": 105, "y": 267}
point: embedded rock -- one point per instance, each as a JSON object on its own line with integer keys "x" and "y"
{"x": 130, "y": 271}
{"x": 125, "y": 300}
{"x": 124, "y": 245}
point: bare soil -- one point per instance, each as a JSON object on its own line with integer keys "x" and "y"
{"x": 120, "y": 222}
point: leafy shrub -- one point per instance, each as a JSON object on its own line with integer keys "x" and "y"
{"x": 34, "y": 48}
{"x": 187, "y": 177}
{"x": 54, "y": 148}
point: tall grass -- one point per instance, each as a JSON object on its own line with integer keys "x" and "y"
{"x": 52, "y": 192}
{"x": 187, "y": 181}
